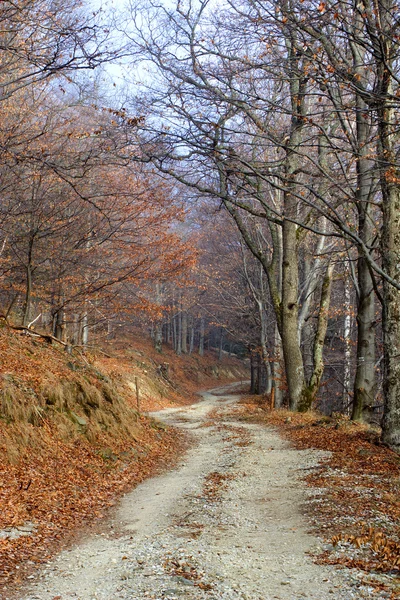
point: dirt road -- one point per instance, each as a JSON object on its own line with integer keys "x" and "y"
{"x": 226, "y": 524}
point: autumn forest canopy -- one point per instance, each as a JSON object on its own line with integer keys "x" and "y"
{"x": 220, "y": 174}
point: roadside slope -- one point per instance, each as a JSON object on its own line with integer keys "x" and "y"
{"x": 225, "y": 524}
{"x": 72, "y": 441}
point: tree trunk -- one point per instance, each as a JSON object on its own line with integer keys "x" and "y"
{"x": 174, "y": 332}
{"x": 262, "y": 375}
{"x": 253, "y": 372}
{"x": 347, "y": 341}
{"x": 191, "y": 336}
{"x": 391, "y": 260}
{"x": 59, "y": 325}
{"x": 221, "y": 343}
{"x": 75, "y": 330}
{"x": 264, "y": 350}
{"x": 389, "y": 178}
{"x": 290, "y": 275}
{"x": 158, "y": 325}
{"x": 364, "y": 383}
{"x": 85, "y": 329}
{"x": 179, "y": 331}
{"x": 169, "y": 329}
{"x": 28, "y": 290}
{"x": 290, "y": 342}
{"x": 318, "y": 350}
{"x": 184, "y": 332}
{"x": 201, "y": 339}
{"x": 158, "y": 336}
{"x": 278, "y": 395}
{"x": 268, "y": 383}
{"x": 28, "y": 296}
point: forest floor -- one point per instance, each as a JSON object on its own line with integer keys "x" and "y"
{"x": 232, "y": 520}
{"x": 72, "y": 440}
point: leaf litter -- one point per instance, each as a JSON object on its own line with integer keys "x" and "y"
{"x": 354, "y": 500}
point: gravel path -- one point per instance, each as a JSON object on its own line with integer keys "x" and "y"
{"x": 225, "y": 525}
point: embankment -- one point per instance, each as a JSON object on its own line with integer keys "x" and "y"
{"x": 72, "y": 439}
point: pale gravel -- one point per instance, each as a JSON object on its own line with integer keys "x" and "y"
{"x": 252, "y": 543}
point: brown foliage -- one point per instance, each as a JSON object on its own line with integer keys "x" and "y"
{"x": 72, "y": 440}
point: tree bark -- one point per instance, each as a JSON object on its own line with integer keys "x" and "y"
{"x": 84, "y": 329}
{"x": 28, "y": 289}
{"x": 390, "y": 186}
{"x": 158, "y": 336}
{"x": 158, "y": 325}
{"x": 290, "y": 342}
{"x": 169, "y": 329}
{"x": 278, "y": 395}
{"x": 390, "y": 175}
{"x": 221, "y": 343}
{"x": 312, "y": 389}
{"x": 201, "y": 338}
{"x": 347, "y": 340}
{"x": 364, "y": 383}
{"x": 253, "y": 372}
{"x": 179, "y": 330}
{"x": 191, "y": 336}
{"x": 184, "y": 332}
{"x": 175, "y": 332}
{"x": 294, "y": 367}
{"x": 59, "y": 325}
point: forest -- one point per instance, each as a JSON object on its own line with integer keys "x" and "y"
{"x": 212, "y": 174}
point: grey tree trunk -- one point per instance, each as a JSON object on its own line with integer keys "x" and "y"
{"x": 158, "y": 325}
{"x": 390, "y": 176}
{"x": 75, "y": 340}
{"x": 390, "y": 185}
{"x": 364, "y": 383}
{"x": 201, "y": 339}
{"x": 179, "y": 330}
{"x": 290, "y": 276}
{"x": 169, "y": 329}
{"x": 221, "y": 343}
{"x": 278, "y": 395}
{"x": 191, "y": 336}
{"x": 184, "y": 332}
{"x": 347, "y": 341}
{"x": 259, "y": 293}
{"x": 319, "y": 339}
{"x": 268, "y": 382}
{"x": 28, "y": 296}
{"x": 158, "y": 336}
{"x": 85, "y": 329}
{"x": 253, "y": 372}
{"x": 175, "y": 331}
{"x": 59, "y": 325}
{"x": 28, "y": 288}
{"x": 290, "y": 286}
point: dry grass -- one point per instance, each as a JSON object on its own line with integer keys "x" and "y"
{"x": 187, "y": 374}
{"x": 71, "y": 438}
{"x": 74, "y": 408}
